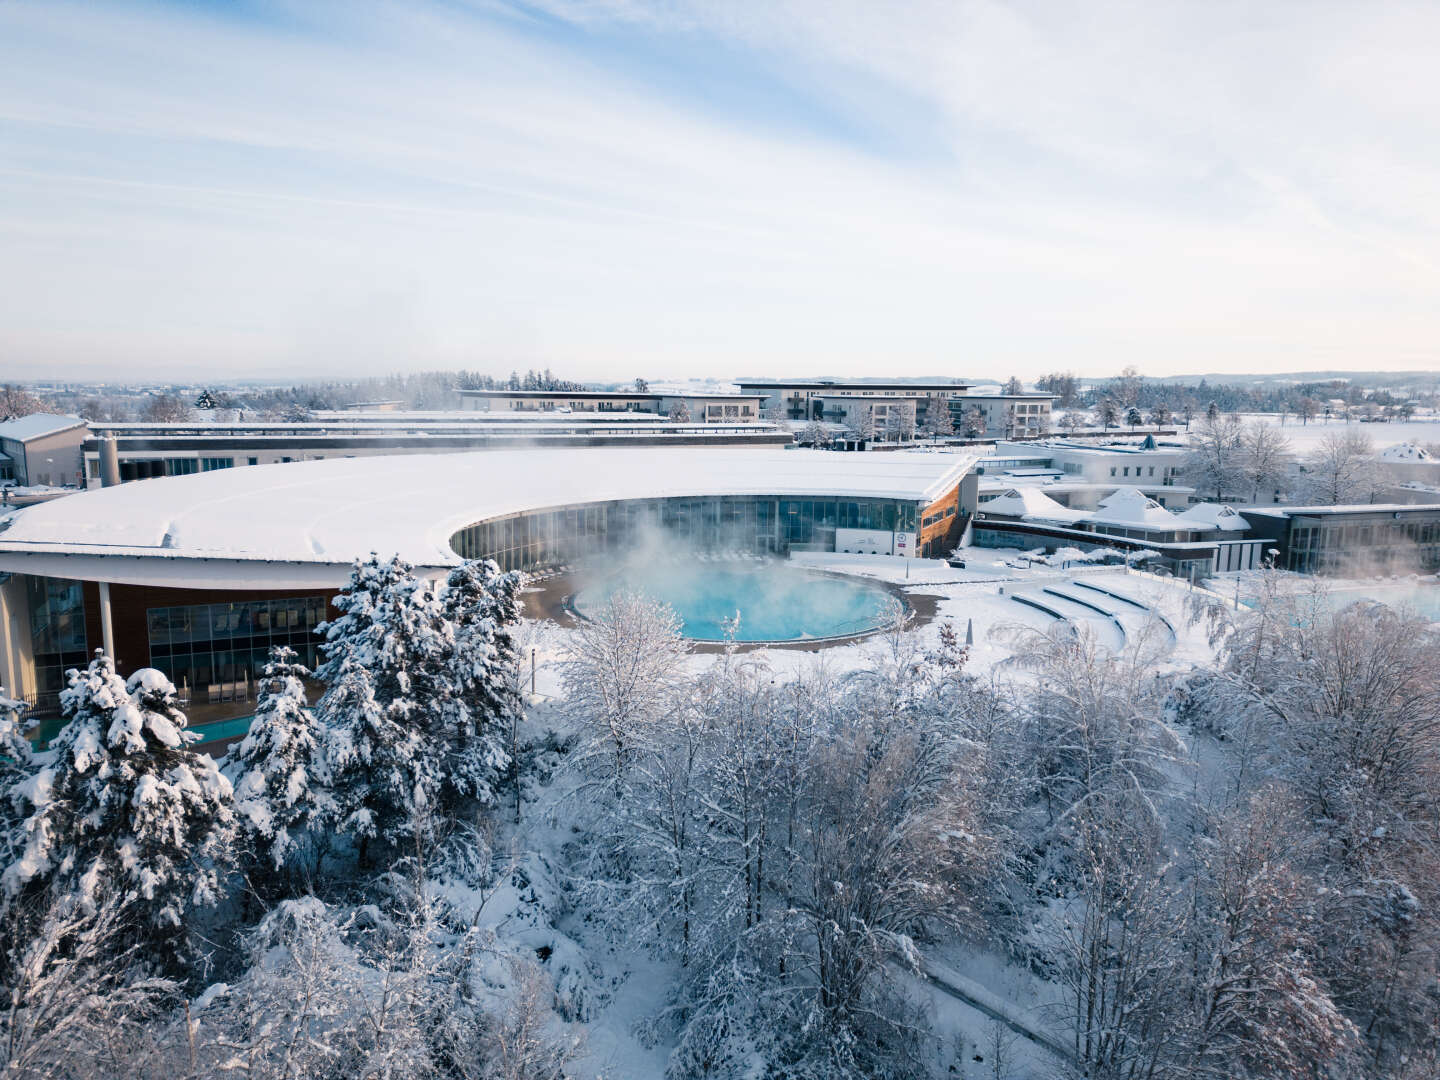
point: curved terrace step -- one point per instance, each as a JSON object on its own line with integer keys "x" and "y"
{"x": 1109, "y": 616}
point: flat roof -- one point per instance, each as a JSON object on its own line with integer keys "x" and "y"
{"x": 211, "y": 529}
{"x": 628, "y": 395}
{"x": 38, "y": 425}
{"x": 635, "y": 395}
{"x": 842, "y": 384}
{"x": 1343, "y": 509}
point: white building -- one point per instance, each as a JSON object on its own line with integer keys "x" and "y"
{"x": 711, "y": 408}
{"x": 200, "y": 574}
{"x": 998, "y": 415}
{"x": 42, "y": 450}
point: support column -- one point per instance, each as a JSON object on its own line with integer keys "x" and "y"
{"x": 107, "y": 621}
{"x": 17, "y": 657}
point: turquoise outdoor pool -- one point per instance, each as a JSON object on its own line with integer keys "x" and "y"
{"x": 775, "y": 601}
{"x": 1422, "y": 598}
{"x": 232, "y": 728}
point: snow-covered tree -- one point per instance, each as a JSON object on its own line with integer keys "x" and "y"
{"x": 480, "y": 705}
{"x": 16, "y": 401}
{"x": 1343, "y": 468}
{"x": 814, "y": 434}
{"x": 680, "y": 412}
{"x": 279, "y": 770}
{"x": 14, "y": 746}
{"x": 621, "y": 673}
{"x": 382, "y": 656}
{"x": 1093, "y": 723}
{"x": 1265, "y": 458}
{"x": 166, "y": 409}
{"x": 15, "y": 764}
{"x": 1260, "y": 1007}
{"x": 1217, "y": 456}
{"x": 972, "y": 422}
{"x": 124, "y": 809}
{"x": 860, "y": 422}
{"x": 938, "y": 422}
{"x": 1107, "y": 413}
{"x": 78, "y": 1002}
{"x": 900, "y": 422}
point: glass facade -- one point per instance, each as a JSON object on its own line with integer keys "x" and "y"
{"x": 754, "y": 524}
{"x": 214, "y": 652}
{"x": 57, "y": 629}
{"x": 1321, "y": 545}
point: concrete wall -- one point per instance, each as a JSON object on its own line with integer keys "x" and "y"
{"x": 49, "y": 459}
{"x": 17, "y": 657}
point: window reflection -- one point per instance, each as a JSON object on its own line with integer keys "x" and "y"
{"x": 215, "y": 652}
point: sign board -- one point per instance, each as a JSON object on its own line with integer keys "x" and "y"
{"x": 874, "y": 542}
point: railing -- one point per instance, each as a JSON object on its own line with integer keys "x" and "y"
{"x": 40, "y": 706}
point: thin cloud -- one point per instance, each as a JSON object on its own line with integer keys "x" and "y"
{"x": 1174, "y": 186}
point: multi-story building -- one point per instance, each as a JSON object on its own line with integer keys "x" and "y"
{"x": 699, "y": 408}
{"x": 145, "y": 450}
{"x": 979, "y": 415}
{"x": 1128, "y": 464}
{"x": 1002, "y": 416}
{"x": 42, "y": 450}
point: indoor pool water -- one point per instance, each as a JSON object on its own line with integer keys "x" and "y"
{"x": 776, "y": 602}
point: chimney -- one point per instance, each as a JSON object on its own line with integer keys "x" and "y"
{"x": 109, "y": 462}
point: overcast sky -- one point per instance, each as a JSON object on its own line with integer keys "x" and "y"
{"x": 681, "y": 187}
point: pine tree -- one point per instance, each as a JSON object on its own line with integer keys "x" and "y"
{"x": 15, "y": 764}
{"x": 124, "y": 811}
{"x": 480, "y": 702}
{"x": 380, "y": 665}
{"x": 279, "y": 772}
{"x": 14, "y": 747}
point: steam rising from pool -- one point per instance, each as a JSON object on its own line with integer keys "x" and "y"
{"x": 775, "y": 601}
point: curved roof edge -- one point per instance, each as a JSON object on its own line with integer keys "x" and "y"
{"x": 306, "y": 522}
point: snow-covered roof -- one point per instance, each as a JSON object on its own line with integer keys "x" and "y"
{"x": 38, "y": 425}
{"x": 1213, "y": 516}
{"x": 323, "y": 514}
{"x": 1131, "y": 507}
{"x": 1030, "y": 503}
{"x": 1406, "y": 452}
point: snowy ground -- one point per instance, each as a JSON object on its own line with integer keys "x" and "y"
{"x": 1305, "y": 437}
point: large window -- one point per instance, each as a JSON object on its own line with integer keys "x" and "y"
{"x": 57, "y": 628}
{"x": 214, "y": 652}
{"x": 713, "y": 523}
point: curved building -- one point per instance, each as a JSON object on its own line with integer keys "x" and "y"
{"x": 199, "y": 575}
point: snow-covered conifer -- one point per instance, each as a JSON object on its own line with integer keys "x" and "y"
{"x": 124, "y": 809}
{"x": 381, "y": 657}
{"x": 14, "y": 747}
{"x": 281, "y": 783}
{"x": 15, "y": 759}
{"x": 479, "y": 700}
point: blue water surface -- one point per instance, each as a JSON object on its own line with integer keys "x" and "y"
{"x": 775, "y": 601}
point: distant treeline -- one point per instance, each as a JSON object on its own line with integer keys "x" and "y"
{"x": 1130, "y": 388}
{"x": 418, "y": 390}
